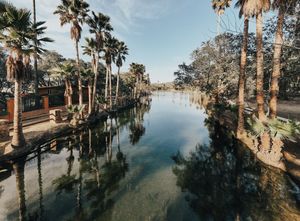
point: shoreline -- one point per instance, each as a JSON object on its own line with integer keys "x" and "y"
{"x": 35, "y": 139}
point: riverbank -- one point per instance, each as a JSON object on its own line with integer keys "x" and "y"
{"x": 280, "y": 154}
{"x": 42, "y": 133}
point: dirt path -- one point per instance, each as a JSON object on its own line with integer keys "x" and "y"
{"x": 286, "y": 109}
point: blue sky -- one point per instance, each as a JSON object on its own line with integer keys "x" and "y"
{"x": 159, "y": 33}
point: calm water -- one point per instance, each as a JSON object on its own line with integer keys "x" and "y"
{"x": 163, "y": 160}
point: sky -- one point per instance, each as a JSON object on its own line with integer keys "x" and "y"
{"x": 160, "y": 34}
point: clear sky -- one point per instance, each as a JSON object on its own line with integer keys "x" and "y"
{"x": 159, "y": 33}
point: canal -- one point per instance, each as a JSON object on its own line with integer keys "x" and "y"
{"x": 165, "y": 159}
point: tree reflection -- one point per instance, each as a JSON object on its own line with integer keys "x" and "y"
{"x": 67, "y": 181}
{"x": 18, "y": 168}
{"x": 225, "y": 182}
{"x": 136, "y": 127}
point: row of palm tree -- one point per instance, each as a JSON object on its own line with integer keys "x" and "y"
{"x": 249, "y": 9}
{"x": 24, "y": 39}
{"x": 75, "y": 12}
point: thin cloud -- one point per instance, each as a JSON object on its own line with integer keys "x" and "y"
{"x": 127, "y": 15}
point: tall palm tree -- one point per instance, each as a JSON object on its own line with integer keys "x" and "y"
{"x": 256, "y": 8}
{"x": 282, "y": 6}
{"x": 38, "y": 40}
{"x": 243, "y": 63}
{"x": 110, "y": 46}
{"x": 75, "y": 13}
{"x": 138, "y": 70}
{"x": 16, "y": 39}
{"x": 66, "y": 70}
{"x": 121, "y": 52}
{"x": 99, "y": 26}
{"x": 87, "y": 74}
{"x": 36, "y": 80}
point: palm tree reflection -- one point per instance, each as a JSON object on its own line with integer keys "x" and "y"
{"x": 225, "y": 182}
{"x": 18, "y": 168}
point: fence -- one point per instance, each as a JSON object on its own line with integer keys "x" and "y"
{"x": 56, "y": 100}
{"x": 31, "y": 103}
{"x": 3, "y": 108}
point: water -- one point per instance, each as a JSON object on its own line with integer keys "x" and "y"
{"x": 163, "y": 160}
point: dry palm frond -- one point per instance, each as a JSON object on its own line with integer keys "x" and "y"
{"x": 76, "y": 31}
{"x": 254, "y": 7}
{"x": 10, "y": 69}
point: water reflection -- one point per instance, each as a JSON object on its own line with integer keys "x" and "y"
{"x": 225, "y": 182}
{"x": 91, "y": 172}
{"x": 120, "y": 169}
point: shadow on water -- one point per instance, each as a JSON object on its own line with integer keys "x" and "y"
{"x": 92, "y": 169}
{"x": 224, "y": 181}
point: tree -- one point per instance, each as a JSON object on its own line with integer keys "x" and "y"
{"x": 66, "y": 70}
{"x": 38, "y": 40}
{"x": 100, "y": 26}
{"x": 243, "y": 64}
{"x": 91, "y": 50}
{"x": 121, "y": 52}
{"x": 282, "y": 6}
{"x": 256, "y": 8}
{"x": 110, "y": 46}
{"x": 88, "y": 75}
{"x": 15, "y": 37}
{"x": 138, "y": 70}
{"x": 36, "y": 79}
{"x": 75, "y": 13}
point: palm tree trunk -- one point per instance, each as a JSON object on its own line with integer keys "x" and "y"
{"x": 95, "y": 82}
{"x": 78, "y": 73}
{"x": 36, "y": 79}
{"x": 276, "y": 64}
{"x": 106, "y": 82}
{"x": 260, "y": 68}
{"x": 68, "y": 92}
{"x": 110, "y": 88}
{"x": 18, "y": 139}
{"x": 90, "y": 97}
{"x": 117, "y": 88}
{"x": 241, "y": 95}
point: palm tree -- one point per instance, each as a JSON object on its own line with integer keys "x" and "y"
{"x": 138, "y": 70}
{"x": 121, "y": 52}
{"x": 110, "y": 46}
{"x": 256, "y": 8}
{"x": 66, "y": 71}
{"x": 16, "y": 39}
{"x": 75, "y": 13}
{"x": 243, "y": 64}
{"x": 100, "y": 26}
{"x": 88, "y": 75}
{"x": 38, "y": 39}
{"x": 282, "y": 6}
{"x": 36, "y": 80}
{"x": 90, "y": 49}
